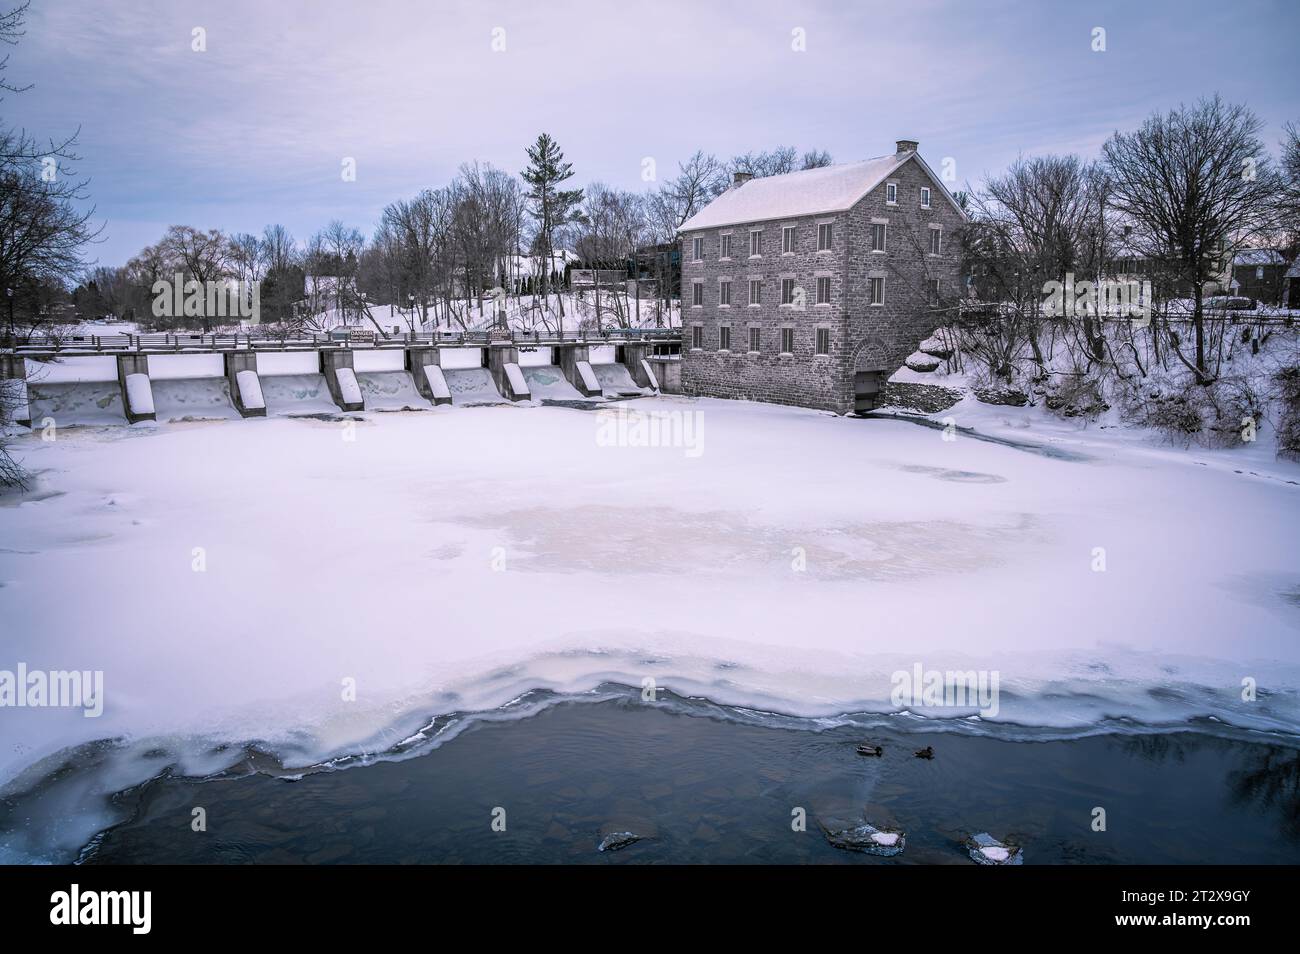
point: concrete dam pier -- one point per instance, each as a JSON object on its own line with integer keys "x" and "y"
{"x": 183, "y": 377}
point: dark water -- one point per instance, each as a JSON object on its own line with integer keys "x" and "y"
{"x": 702, "y": 789}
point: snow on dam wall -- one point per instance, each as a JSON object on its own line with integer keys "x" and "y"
{"x": 376, "y": 360}
{"x": 535, "y": 356}
{"x": 293, "y": 384}
{"x": 455, "y": 359}
{"x": 182, "y": 366}
{"x": 288, "y": 362}
{"x": 72, "y": 370}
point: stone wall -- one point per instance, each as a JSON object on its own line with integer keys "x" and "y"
{"x": 862, "y": 337}
{"x": 926, "y": 398}
{"x": 798, "y": 377}
{"x": 884, "y": 335}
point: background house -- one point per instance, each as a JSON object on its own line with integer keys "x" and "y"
{"x": 1258, "y": 273}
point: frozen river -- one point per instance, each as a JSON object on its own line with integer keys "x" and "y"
{"x": 327, "y": 587}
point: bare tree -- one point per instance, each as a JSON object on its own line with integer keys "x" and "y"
{"x": 1039, "y": 222}
{"x": 776, "y": 162}
{"x": 815, "y": 159}
{"x": 247, "y": 257}
{"x": 699, "y": 181}
{"x": 1195, "y": 183}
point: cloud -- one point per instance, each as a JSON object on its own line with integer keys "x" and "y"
{"x": 253, "y": 130}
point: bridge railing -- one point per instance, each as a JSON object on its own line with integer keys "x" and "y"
{"x": 258, "y": 339}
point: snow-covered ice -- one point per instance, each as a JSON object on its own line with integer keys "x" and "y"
{"x": 451, "y": 561}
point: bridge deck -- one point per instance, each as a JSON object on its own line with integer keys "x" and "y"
{"x": 37, "y": 346}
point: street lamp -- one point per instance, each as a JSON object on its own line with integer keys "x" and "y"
{"x": 410, "y": 299}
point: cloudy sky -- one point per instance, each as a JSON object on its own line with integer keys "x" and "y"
{"x": 255, "y": 128}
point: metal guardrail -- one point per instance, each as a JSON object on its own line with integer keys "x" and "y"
{"x": 255, "y": 341}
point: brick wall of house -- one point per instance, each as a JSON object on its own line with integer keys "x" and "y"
{"x": 861, "y": 337}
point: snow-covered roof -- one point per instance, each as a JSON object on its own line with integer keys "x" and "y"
{"x": 834, "y": 188}
{"x": 1258, "y": 256}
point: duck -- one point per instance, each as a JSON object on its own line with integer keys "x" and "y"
{"x": 925, "y": 753}
{"x": 874, "y": 751}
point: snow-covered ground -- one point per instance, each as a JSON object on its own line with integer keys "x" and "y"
{"x": 233, "y": 579}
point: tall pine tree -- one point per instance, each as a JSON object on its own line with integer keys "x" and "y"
{"x": 550, "y": 205}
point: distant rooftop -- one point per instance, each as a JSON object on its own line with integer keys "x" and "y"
{"x": 1258, "y": 256}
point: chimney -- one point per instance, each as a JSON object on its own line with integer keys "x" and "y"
{"x": 738, "y": 179}
{"x": 906, "y": 145}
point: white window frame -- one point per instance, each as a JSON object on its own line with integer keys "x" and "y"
{"x": 755, "y": 303}
{"x": 874, "y": 300}
{"x": 830, "y": 236}
{"x": 697, "y": 248}
{"x": 829, "y": 291}
{"x": 936, "y": 240}
{"x": 697, "y": 337}
{"x": 724, "y": 247}
{"x": 891, "y": 188}
{"x": 787, "y": 281}
{"x": 817, "y": 337}
{"x": 884, "y": 235}
{"x": 724, "y": 293}
{"x": 925, "y": 197}
{"x": 697, "y": 294}
{"x": 755, "y": 347}
{"x": 724, "y": 332}
{"x": 755, "y": 241}
{"x": 786, "y": 330}
{"x": 788, "y": 239}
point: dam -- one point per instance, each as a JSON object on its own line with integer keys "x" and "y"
{"x": 94, "y": 379}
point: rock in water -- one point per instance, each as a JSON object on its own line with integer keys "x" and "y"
{"x": 868, "y": 839}
{"x": 618, "y": 840}
{"x": 986, "y": 850}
